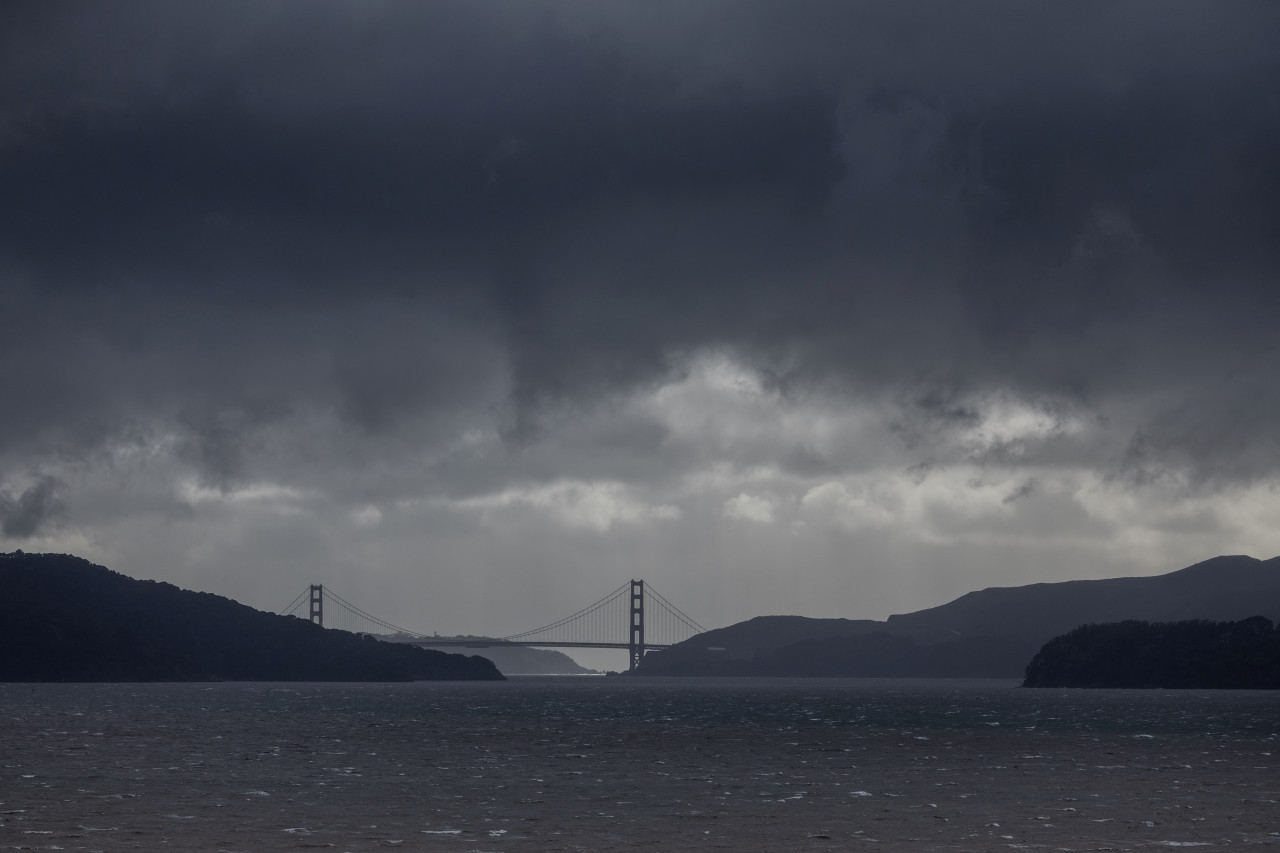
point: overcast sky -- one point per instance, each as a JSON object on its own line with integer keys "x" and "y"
{"x": 474, "y": 310}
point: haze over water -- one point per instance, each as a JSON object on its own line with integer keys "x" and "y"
{"x": 615, "y": 764}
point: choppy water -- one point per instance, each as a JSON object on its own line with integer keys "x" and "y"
{"x": 621, "y": 764}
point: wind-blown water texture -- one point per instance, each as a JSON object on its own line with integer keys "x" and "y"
{"x": 614, "y": 764}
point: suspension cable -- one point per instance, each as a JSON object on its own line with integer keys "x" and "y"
{"x": 667, "y": 623}
{"x": 374, "y": 619}
{"x": 583, "y": 612}
{"x": 676, "y": 611}
{"x": 297, "y": 602}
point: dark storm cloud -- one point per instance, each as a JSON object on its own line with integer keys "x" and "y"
{"x": 32, "y": 510}
{"x": 226, "y": 222}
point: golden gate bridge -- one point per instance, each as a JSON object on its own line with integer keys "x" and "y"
{"x": 634, "y": 617}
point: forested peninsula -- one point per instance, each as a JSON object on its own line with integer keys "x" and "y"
{"x": 1190, "y": 654}
{"x": 63, "y": 618}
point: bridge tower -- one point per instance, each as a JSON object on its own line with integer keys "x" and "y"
{"x": 635, "y": 642}
{"x": 317, "y": 604}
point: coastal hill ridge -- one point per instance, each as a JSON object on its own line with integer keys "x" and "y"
{"x": 63, "y": 618}
{"x": 990, "y": 633}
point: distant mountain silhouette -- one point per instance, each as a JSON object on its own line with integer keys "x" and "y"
{"x": 65, "y": 619}
{"x": 1220, "y": 589}
{"x": 992, "y": 633}
{"x": 743, "y": 648}
{"x": 1193, "y": 654}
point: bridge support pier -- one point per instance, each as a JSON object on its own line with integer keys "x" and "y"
{"x": 317, "y": 604}
{"x": 635, "y": 641}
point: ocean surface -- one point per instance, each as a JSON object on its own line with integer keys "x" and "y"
{"x": 620, "y": 764}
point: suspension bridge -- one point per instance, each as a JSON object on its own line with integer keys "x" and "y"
{"x": 634, "y": 617}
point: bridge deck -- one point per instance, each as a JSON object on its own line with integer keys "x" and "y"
{"x": 484, "y": 644}
{"x": 624, "y": 607}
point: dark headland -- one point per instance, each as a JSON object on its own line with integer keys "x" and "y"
{"x": 65, "y": 619}
{"x": 1195, "y": 653}
{"x": 993, "y": 633}
{"x": 512, "y": 660}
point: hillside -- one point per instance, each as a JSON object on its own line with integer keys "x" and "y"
{"x": 990, "y": 633}
{"x": 1192, "y": 654}
{"x": 1221, "y": 589}
{"x": 65, "y": 619}
{"x": 742, "y": 648}
{"x": 512, "y": 660}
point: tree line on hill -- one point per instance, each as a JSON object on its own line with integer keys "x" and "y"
{"x": 63, "y": 618}
{"x": 1195, "y": 653}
